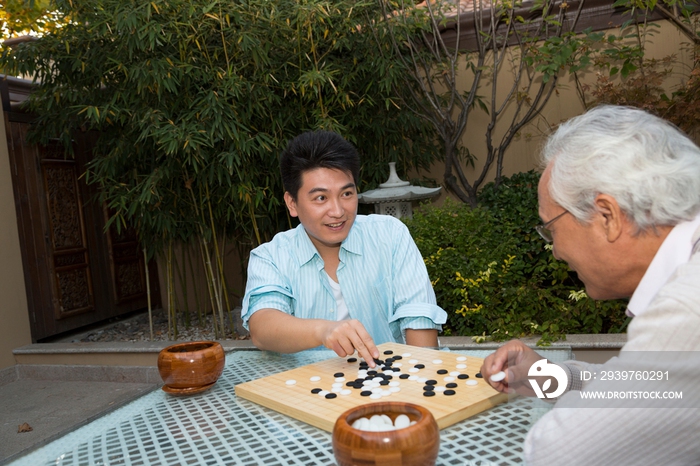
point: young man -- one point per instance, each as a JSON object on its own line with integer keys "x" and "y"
{"x": 620, "y": 202}
{"x": 340, "y": 280}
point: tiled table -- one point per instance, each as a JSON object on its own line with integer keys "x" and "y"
{"x": 217, "y": 428}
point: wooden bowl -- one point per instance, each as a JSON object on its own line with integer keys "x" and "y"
{"x": 414, "y": 445}
{"x": 191, "y": 367}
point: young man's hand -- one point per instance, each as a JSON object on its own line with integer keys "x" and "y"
{"x": 346, "y": 336}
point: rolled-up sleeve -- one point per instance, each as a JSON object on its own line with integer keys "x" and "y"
{"x": 267, "y": 287}
{"x": 415, "y": 306}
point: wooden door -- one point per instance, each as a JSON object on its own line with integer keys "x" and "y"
{"x": 76, "y": 274}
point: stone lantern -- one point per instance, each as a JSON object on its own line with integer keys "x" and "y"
{"x": 395, "y": 197}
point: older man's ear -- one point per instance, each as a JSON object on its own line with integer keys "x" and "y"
{"x": 610, "y": 216}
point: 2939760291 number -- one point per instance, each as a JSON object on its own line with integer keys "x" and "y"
{"x": 633, "y": 375}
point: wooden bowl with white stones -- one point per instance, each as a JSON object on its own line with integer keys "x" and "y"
{"x": 415, "y": 445}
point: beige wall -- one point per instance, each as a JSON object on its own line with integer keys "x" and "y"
{"x": 14, "y": 315}
{"x": 523, "y": 153}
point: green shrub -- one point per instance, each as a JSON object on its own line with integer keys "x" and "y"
{"x": 496, "y": 277}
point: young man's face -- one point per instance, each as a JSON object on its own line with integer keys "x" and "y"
{"x": 326, "y": 205}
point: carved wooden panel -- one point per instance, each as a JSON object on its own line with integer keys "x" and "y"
{"x": 74, "y": 293}
{"x": 127, "y": 264}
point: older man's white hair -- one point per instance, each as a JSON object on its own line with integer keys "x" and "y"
{"x": 647, "y": 164}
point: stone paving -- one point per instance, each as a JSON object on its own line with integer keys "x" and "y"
{"x": 138, "y": 328}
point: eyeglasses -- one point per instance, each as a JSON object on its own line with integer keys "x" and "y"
{"x": 544, "y": 230}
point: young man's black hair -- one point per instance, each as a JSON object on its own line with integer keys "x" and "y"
{"x": 316, "y": 149}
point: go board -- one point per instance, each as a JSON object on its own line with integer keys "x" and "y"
{"x": 290, "y": 392}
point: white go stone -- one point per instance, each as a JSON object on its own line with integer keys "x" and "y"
{"x": 394, "y": 383}
{"x": 472, "y": 382}
{"x": 455, "y": 373}
{"x": 345, "y": 392}
{"x": 461, "y": 366}
{"x": 315, "y": 378}
{"x": 402, "y": 421}
{"x": 412, "y": 361}
{"x": 413, "y": 369}
{"x": 340, "y": 379}
{"x": 461, "y": 358}
{"x": 439, "y": 388}
{"x": 498, "y": 376}
{"x": 449, "y": 379}
{"x": 437, "y": 361}
{"x": 291, "y": 382}
{"x": 394, "y": 389}
{"x": 406, "y": 355}
{"x": 361, "y": 423}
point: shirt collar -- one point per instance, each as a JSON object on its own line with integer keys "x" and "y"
{"x": 674, "y": 251}
{"x": 306, "y": 249}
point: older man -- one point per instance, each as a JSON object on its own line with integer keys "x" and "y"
{"x": 620, "y": 202}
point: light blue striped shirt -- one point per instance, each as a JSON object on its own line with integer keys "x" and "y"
{"x": 381, "y": 274}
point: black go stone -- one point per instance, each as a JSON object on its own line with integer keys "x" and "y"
{"x": 442, "y": 371}
{"x": 419, "y": 366}
{"x": 372, "y": 373}
{"x": 478, "y": 375}
{"x": 384, "y": 382}
{"x": 378, "y": 362}
{"x": 397, "y": 357}
{"x": 315, "y": 390}
{"x": 428, "y": 388}
{"x": 387, "y": 368}
{"x": 431, "y": 382}
{"x": 404, "y": 376}
{"x": 387, "y": 377}
{"x": 338, "y": 374}
{"x": 428, "y": 393}
{"x": 446, "y": 392}
{"x": 330, "y": 395}
{"x": 364, "y": 364}
{"x": 365, "y": 393}
{"x": 451, "y": 385}
{"x": 463, "y": 376}
{"x": 352, "y": 360}
{"x": 388, "y": 352}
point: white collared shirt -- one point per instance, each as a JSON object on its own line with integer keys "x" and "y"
{"x": 674, "y": 251}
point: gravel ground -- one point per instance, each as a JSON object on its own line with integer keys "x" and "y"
{"x": 137, "y": 328}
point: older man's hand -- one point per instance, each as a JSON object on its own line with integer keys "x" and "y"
{"x": 514, "y": 359}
